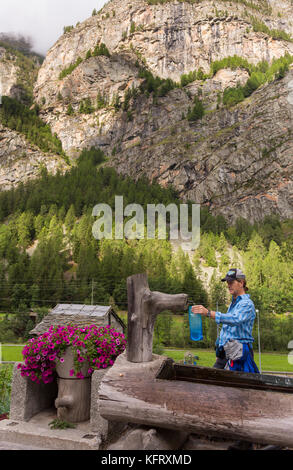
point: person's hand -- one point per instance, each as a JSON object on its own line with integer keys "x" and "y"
{"x": 199, "y": 309}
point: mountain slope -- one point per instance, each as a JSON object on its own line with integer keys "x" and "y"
{"x": 234, "y": 159}
{"x": 237, "y": 161}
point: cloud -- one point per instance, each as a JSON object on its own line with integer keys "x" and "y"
{"x": 44, "y": 20}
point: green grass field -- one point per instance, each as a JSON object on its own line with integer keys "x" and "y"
{"x": 269, "y": 361}
{"x": 12, "y": 353}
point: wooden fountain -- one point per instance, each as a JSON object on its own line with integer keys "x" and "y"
{"x": 152, "y": 390}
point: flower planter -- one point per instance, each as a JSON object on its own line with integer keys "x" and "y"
{"x": 74, "y": 395}
{"x": 52, "y": 352}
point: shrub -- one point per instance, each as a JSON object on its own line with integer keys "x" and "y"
{"x": 156, "y": 85}
{"x": 132, "y": 27}
{"x": 101, "y": 49}
{"x": 67, "y": 29}
{"x": 70, "y": 69}
{"x": 197, "y": 112}
{"x": 253, "y": 83}
{"x": 86, "y": 107}
{"x": 5, "y": 387}
{"x": 232, "y": 96}
{"x": 70, "y": 110}
{"x": 101, "y": 101}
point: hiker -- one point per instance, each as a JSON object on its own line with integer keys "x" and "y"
{"x": 234, "y": 345}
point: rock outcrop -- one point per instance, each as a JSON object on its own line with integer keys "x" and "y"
{"x": 21, "y": 161}
{"x": 237, "y": 161}
{"x": 18, "y": 74}
{"x": 8, "y": 75}
{"x": 173, "y": 38}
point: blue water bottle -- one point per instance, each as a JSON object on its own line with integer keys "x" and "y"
{"x": 195, "y": 325}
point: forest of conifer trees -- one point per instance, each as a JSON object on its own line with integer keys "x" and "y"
{"x": 49, "y": 255}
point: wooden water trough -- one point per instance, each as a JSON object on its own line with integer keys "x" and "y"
{"x": 157, "y": 392}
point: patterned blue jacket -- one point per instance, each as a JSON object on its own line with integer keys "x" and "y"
{"x": 238, "y": 321}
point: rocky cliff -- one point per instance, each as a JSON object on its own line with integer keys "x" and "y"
{"x": 18, "y": 73}
{"x": 237, "y": 160}
{"x": 21, "y": 161}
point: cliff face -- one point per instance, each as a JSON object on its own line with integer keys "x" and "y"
{"x": 8, "y": 74}
{"x": 20, "y": 161}
{"x": 174, "y": 38}
{"x": 236, "y": 160}
{"x": 18, "y": 74}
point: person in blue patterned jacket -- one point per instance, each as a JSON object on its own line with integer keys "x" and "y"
{"x": 234, "y": 345}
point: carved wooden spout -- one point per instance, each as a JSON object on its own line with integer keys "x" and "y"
{"x": 143, "y": 308}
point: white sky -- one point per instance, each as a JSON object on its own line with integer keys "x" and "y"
{"x": 43, "y": 20}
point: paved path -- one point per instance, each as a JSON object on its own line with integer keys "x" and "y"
{"x": 4, "y": 445}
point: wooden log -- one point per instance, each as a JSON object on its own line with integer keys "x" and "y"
{"x": 143, "y": 308}
{"x": 74, "y": 395}
{"x": 131, "y": 393}
{"x": 73, "y": 403}
{"x": 207, "y": 375}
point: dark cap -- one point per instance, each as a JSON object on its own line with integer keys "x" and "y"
{"x": 233, "y": 274}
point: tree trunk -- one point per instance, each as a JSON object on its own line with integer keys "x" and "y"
{"x": 143, "y": 308}
{"x": 133, "y": 393}
{"x": 73, "y": 403}
{"x": 74, "y": 395}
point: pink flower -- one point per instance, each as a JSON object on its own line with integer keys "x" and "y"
{"x": 104, "y": 345}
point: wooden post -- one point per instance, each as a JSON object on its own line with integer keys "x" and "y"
{"x": 143, "y": 308}
{"x": 74, "y": 395}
